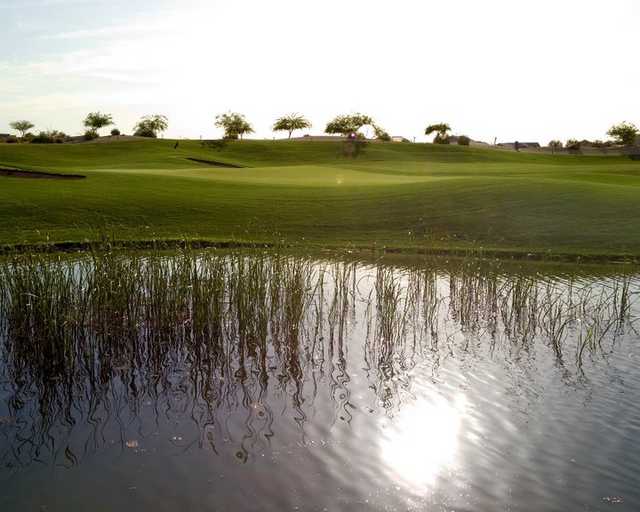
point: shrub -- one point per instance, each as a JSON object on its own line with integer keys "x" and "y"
{"x": 90, "y": 135}
{"x": 441, "y": 139}
{"x": 115, "y": 132}
{"x": 145, "y": 131}
{"x": 463, "y": 140}
{"x": 50, "y": 137}
{"x": 41, "y": 138}
{"x": 11, "y": 139}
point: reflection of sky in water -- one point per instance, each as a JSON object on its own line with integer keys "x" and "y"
{"x": 379, "y": 388}
{"x": 421, "y": 442}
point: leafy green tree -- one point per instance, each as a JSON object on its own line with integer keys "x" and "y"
{"x": 115, "y": 132}
{"x": 234, "y": 125}
{"x": 291, "y": 123}
{"x": 624, "y": 133}
{"x": 441, "y": 130}
{"x": 573, "y": 144}
{"x": 96, "y": 120}
{"x": 381, "y": 134}
{"x": 555, "y": 145}
{"x": 348, "y": 124}
{"x": 463, "y": 140}
{"x": 149, "y": 126}
{"x": 22, "y": 126}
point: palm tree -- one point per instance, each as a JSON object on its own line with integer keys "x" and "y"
{"x": 233, "y": 124}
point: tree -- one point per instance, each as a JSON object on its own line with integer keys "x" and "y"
{"x": 96, "y": 120}
{"x": 624, "y": 133}
{"x": 440, "y": 129}
{"x": 381, "y": 134}
{"x": 22, "y": 126}
{"x": 348, "y": 124}
{"x": 463, "y": 140}
{"x": 573, "y": 145}
{"x": 555, "y": 145}
{"x": 291, "y": 123}
{"x": 115, "y": 132}
{"x": 234, "y": 125}
{"x": 149, "y": 126}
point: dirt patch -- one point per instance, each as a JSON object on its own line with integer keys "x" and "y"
{"x": 215, "y": 163}
{"x": 22, "y": 173}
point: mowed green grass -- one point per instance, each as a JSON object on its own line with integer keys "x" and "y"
{"x": 392, "y": 195}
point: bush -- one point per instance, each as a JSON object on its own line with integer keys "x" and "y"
{"x": 11, "y": 139}
{"x": 115, "y": 132}
{"x": 50, "y": 137}
{"x": 463, "y": 140}
{"x": 90, "y": 135}
{"x": 441, "y": 139}
{"x": 144, "y": 131}
{"x": 41, "y": 138}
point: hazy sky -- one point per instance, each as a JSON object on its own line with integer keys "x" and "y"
{"x": 509, "y": 69}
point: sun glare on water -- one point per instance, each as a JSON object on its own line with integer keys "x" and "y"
{"x": 422, "y": 441}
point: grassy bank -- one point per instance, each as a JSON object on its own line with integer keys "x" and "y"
{"x": 400, "y": 196}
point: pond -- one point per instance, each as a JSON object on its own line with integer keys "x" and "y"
{"x": 265, "y": 381}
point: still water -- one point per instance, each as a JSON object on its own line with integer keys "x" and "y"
{"x": 208, "y": 381}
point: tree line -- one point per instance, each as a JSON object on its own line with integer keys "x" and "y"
{"x": 236, "y": 126}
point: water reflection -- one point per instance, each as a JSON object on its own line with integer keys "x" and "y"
{"x": 368, "y": 369}
{"x": 422, "y": 441}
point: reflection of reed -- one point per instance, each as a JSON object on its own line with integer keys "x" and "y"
{"x": 86, "y": 344}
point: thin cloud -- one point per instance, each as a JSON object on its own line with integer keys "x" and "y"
{"x": 110, "y": 31}
{"x": 28, "y": 4}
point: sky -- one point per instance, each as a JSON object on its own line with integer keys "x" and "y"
{"x": 505, "y": 69}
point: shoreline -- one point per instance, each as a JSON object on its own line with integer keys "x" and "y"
{"x": 507, "y": 254}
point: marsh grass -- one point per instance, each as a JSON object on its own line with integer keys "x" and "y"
{"x": 205, "y": 333}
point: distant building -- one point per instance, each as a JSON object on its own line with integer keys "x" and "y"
{"x": 4, "y": 136}
{"x": 399, "y": 138}
{"x": 521, "y": 145}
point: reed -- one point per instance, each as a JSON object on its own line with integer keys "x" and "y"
{"x": 86, "y": 338}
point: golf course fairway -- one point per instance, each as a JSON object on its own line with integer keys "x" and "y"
{"x": 398, "y": 196}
